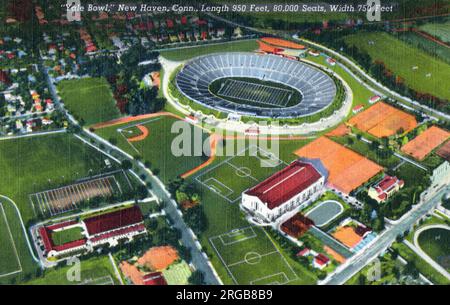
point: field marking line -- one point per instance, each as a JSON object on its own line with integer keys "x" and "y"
{"x": 223, "y": 261}
{"x": 239, "y": 168}
{"x": 272, "y": 275}
{"x": 212, "y": 189}
{"x": 129, "y": 143}
{"x": 237, "y": 241}
{"x": 221, "y": 184}
{"x": 244, "y": 261}
{"x": 279, "y": 252}
{"x": 12, "y": 242}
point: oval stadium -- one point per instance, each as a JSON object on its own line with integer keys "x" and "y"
{"x": 256, "y": 85}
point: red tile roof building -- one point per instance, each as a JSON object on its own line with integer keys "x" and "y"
{"x": 320, "y": 261}
{"x": 101, "y": 229}
{"x": 385, "y": 188}
{"x": 107, "y": 222}
{"x": 282, "y": 192}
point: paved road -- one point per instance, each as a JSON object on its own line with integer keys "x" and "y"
{"x": 357, "y": 262}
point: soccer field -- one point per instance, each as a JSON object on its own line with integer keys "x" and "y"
{"x": 9, "y": 258}
{"x": 251, "y": 258}
{"x": 156, "y": 148}
{"x": 431, "y": 74}
{"x": 231, "y": 177}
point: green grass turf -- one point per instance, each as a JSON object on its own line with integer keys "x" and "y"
{"x": 436, "y": 243}
{"x": 361, "y": 94}
{"x": 29, "y": 163}
{"x": 191, "y": 52}
{"x": 157, "y": 147}
{"x": 28, "y": 265}
{"x": 230, "y": 176}
{"x": 65, "y": 236}
{"x": 439, "y": 30}
{"x": 253, "y": 259}
{"x": 178, "y": 274}
{"x": 9, "y": 260}
{"x": 401, "y": 58}
{"x": 89, "y": 98}
{"x": 421, "y": 265}
{"x": 91, "y": 270}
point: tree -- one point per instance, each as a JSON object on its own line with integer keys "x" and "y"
{"x": 141, "y": 191}
{"x": 196, "y": 278}
{"x": 126, "y": 165}
{"x": 196, "y": 219}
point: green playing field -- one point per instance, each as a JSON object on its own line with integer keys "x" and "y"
{"x": 251, "y": 258}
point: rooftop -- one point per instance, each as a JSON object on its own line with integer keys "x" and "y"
{"x": 285, "y": 184}
{"x": 114, "y": 220}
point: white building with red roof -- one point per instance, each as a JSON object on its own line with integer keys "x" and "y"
{"x": 103, "y": 229}
{"x": 384, "y": 189}
{"x": 286, "y": 190}
{"x": 320, "y": 261}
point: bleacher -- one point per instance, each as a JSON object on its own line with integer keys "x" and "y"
{"x": 317, "y": 88}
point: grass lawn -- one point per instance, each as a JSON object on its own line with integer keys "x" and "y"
{"x": 224, "y": 216}
{"x": 9, "y": 259}
{"x": 89, "y": 98}
{"x": 401, "y": 58}
{"x": 65, "y": 236}
{"x": 36, "y": 164}
{"x": 157, "y": 147}
{"x": 191, "y": 52}
{"x": 252, "y": 258}
{"x": 97, "y": 270}
{"x": 436, "y": 243}
{"x": 365, "y": 150}
{"x": 387, "y": 275}
{"x": 431, "y": 47}
{"x": 439, "y": 30}
{"x": 421, "y": 265}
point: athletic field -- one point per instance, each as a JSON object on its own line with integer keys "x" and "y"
{"x": 232, "y": 176}
{"x": 158, "y": 146}
{"x": 90, "y": 99}
{"x": 422, "y": 72}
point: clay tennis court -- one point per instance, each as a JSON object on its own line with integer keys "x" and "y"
{"x": 423, "y": 144}
{"x": 340, "y": 131}
{"x": 263, "y": 47}
{"x": 159, "y": 258}
{"x": 444, "y": 151}
{"x": 347, "y": 170}
{"x": 283, "y": 43}
{"x": 383, "y": 120}
{"x": 347, "y": 236}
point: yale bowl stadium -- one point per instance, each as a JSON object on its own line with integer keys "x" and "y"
{"x": 257, "y": 85}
